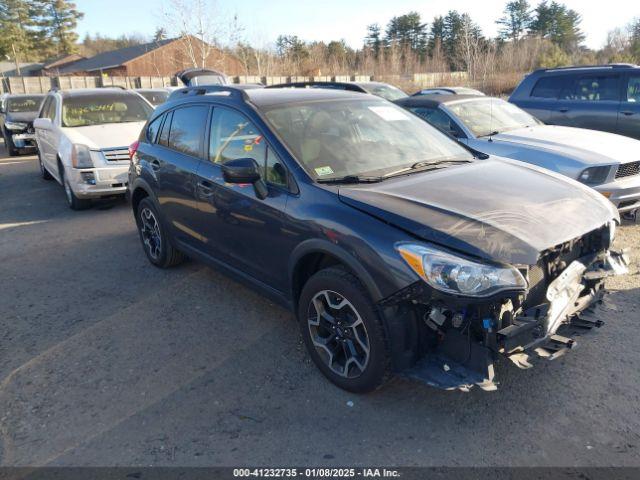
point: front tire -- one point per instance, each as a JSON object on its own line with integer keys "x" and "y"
{"x": 74, "y": 202}
{"x": 11, "y": 148}
{"x": 342, "y": 331}
{"x": 155, "y": 240}
{"x": 43, "y": 171}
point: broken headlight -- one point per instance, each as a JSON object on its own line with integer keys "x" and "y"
{"x": 452, "y": 274}
{"x": 595, "y": 175}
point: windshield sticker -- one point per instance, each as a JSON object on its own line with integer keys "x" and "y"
{"x": 322, "y": 171}
{"x": 389, "y": 114}
{"x": 248, "y": 148}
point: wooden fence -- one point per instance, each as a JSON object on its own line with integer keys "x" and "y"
{"x": 44, "y": 84}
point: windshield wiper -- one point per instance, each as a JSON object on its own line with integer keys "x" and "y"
{"x": 351, "y": 179}
{"x": 495, "y": 132}
{"x": 426, "y": 165}
{"x": 429, "y": 163}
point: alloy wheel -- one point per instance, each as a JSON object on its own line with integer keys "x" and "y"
{"x": 150, "y": 230}
{"x": 338, "y": 334}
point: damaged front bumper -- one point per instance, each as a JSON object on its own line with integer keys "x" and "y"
{"x": 544, "y": 331}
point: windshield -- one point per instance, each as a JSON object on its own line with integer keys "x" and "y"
{"x": 333, "y": 139}
{"x": 387, "y": 92}
{"x": 491, "y": 116}
{"x": 24, "y": 104}
{"x": 98, "y": 109}
{"x": 153, "y": 97}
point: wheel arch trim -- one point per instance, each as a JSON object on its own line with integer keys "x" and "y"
{"x": 318, "y": 246}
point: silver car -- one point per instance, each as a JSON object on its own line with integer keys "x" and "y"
{"x": 83, "y": 139}
{"x": 608, "y": 162}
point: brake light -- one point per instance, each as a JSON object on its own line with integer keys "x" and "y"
{"x": 133, "y": 148}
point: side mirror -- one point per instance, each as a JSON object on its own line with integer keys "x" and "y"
{"x": 245, "y": 170}
{"x": 240, "y": 170}
{"x": 42, "y": 123}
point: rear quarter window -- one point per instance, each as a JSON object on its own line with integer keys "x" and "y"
{"x": 153, "y": 128}
{"x": 549, "y": 87}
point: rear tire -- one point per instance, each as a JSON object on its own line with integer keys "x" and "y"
{"x": 74, "y": 202}
{"x": 155, "y": 240}
{"x": 343, "y": 332}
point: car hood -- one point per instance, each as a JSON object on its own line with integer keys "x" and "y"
{"x": 491, "y": 209}
{"x": 105, "y": 136}
{"x": 588, "y": 146}
{"x": 21, "y": 116}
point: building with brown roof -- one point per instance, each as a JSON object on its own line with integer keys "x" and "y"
{"x": 158, "y": 58}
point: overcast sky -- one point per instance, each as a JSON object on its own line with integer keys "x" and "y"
{"x": 264, "y": 20}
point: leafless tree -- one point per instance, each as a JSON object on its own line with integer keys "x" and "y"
{"x": 200, "y": 25}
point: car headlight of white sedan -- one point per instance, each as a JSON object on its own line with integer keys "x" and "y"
{"x": 16, "y": 125}
{"x": 452, "y": 274}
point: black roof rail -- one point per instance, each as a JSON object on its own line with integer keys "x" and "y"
{"x": 115, "y": 86}
{"x": 229, "y": 90}
{"x": 587, "y": 67}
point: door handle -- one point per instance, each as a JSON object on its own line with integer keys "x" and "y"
{"x": 205, "y": 187}
{"x": 627, "y": 112}
{"x": 563, "y": 110}
{"x": 155, "y": 164}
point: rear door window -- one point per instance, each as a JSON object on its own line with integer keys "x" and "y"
{"x": 596, "y": 88}
{"x": 187, "y": 129}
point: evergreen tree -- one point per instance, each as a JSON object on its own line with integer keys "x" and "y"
{"x": 19, "y": 37}
{"x": 161, "y": 34}
{"x": 408, "y": 31}
{"x": 452, "y": 32}
{"x": 436, "y": 35}
{"x": 557, "y": 23}
{"x": 57, "y": 20}
{"x": 516, "y": 20}
{"x": 373, "y": 39}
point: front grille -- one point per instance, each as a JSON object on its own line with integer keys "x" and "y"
{"x": 116, "y": 154}
{"x": 628, "y": 169}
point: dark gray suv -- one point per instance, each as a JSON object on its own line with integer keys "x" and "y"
{"x": 603, "y": 97}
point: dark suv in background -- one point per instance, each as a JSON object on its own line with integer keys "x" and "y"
{"x": 597, "y": 97}
{"x": 396, "y": 247}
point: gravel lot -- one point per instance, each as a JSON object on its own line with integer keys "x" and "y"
{"x": 105, "y": 360}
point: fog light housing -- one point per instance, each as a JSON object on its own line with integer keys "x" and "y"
{"x": 88, "y": 178}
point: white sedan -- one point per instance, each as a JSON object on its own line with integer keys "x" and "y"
{"x": 608, "y": 162}
{"x": 83, "y": 138}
